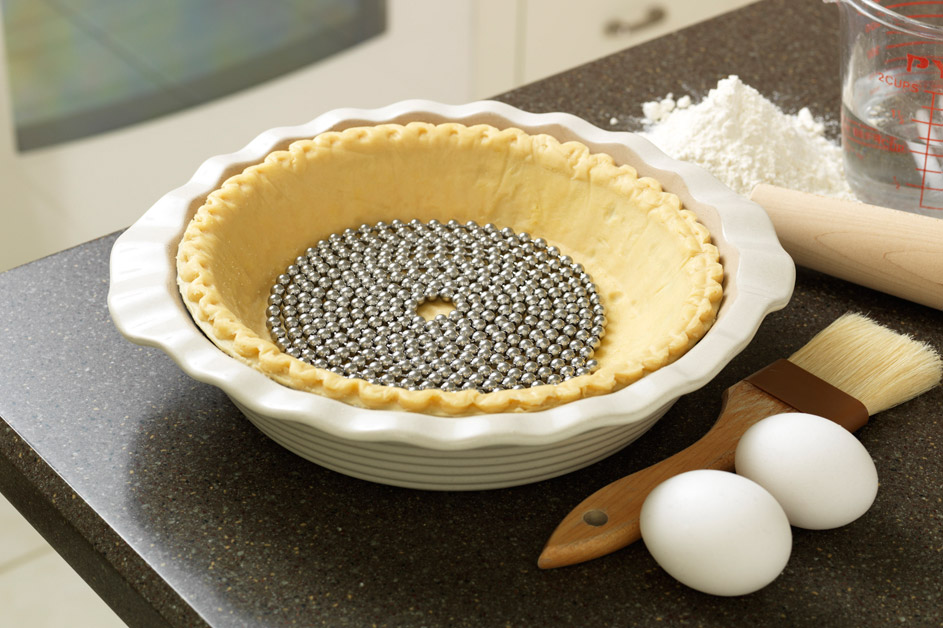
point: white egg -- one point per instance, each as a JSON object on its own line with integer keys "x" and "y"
{"x": 819, "y": 472}
{"x": 716, "y": 532}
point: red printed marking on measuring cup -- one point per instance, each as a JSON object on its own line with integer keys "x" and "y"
{"x": 892, "y": 102}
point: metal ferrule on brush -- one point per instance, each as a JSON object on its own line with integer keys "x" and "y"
{"x": 807, "y": 393}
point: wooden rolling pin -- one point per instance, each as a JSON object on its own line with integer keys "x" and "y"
{"x": 893, "y": 251}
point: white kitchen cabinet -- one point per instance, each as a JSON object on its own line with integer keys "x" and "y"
{"x": 525, "y": 40}
{"x": 559, "y": 34}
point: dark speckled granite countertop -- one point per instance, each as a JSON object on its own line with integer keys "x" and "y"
{"x": 177, "y": 511}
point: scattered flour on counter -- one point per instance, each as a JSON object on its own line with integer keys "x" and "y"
{"x": 743, "y": 139}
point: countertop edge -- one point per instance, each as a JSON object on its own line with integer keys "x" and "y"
{"x": 104, "y": 564}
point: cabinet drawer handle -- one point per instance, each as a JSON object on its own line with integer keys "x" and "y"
{"x": 616, "y": 26}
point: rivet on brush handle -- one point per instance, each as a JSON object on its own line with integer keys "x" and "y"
{"x": 608, "y": 519}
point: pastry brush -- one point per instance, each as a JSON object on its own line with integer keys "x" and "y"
{"x": 850, "y": 370}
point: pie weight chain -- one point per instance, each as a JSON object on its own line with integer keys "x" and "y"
{"x": 524, "y": 314}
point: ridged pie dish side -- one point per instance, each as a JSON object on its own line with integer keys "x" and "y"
{"x": 654, "y": 263}
{"x": 146, "y": 306}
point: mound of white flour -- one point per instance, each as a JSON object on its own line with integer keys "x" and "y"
{"x": 743, "y": 139}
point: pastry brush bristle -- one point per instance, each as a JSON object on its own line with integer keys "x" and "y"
{"x": 877, "y": 366}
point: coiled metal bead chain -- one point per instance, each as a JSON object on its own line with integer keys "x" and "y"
{"x": 524, "y": 315}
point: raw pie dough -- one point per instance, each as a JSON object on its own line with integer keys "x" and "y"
{"x": 653, "y": 263}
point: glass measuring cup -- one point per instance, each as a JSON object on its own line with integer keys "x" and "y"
{"x": 892, "y": 102}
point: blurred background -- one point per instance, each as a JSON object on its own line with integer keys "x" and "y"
{"x": 105, "y": 105}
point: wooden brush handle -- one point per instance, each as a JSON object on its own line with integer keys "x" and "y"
{"x": 583, "y": 535}
{"x": 893, "y": 251}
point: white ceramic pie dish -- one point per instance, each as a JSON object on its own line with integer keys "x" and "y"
{"x": 442, "y": 453}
